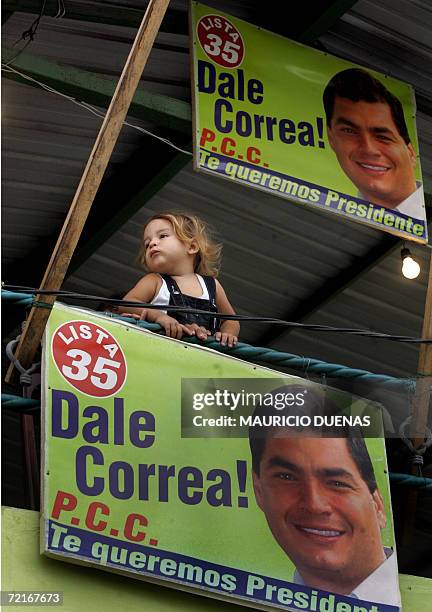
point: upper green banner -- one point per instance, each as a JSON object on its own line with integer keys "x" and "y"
{"x": 301, "y": 124}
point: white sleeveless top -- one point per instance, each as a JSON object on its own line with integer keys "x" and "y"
{"x": 162, "y": 297}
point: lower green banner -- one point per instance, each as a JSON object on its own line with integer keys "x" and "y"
{"x": 290, "y": 516}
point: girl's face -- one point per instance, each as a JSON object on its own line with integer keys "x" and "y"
{"x": 164, "y": 252}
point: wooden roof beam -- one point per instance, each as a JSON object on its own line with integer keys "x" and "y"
{"x": 94, "y": 89}
{"x": 110, "y": 13}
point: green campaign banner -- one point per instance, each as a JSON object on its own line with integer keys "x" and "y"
{"x": 304, "y": 125}
{"x": 294, "y": 523}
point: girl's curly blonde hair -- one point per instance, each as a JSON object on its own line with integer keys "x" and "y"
{"x": 188, "y": 229}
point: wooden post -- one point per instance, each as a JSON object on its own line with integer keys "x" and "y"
{"x": 31, "y": 460}
{"x": 420, "y": 411}
{"x": 90, "y": 180}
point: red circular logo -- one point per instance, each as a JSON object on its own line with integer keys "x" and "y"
{"x": 89, "y": 358}
{"x": 221, "y": 40}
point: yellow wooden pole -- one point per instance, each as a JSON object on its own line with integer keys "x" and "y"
{"x": 420, "y": 413}
{"x": 420, "y": 410}
{"x": 90, "y": 180}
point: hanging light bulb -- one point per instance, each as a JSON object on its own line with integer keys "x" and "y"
{"x": 410, "y": 267}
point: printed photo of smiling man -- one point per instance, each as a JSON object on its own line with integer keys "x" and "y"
{"x": 367, "y": 131}
{"x": 318, "y": 492}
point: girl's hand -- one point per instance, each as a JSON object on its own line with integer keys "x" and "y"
{"x": 196, "y": 330}
{"x": 229, "y": 329}
{"x": 173, "y": 329}
{"x": 132, "y": 315}
{"x": 226, "y": 339}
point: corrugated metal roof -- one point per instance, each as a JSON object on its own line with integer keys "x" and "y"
{"x": 46, "y": 142}
{"x": 103, "y": 49}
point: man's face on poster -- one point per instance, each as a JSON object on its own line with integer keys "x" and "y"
{"x": 371, "y": 151}
{"x": 320, "y": 509}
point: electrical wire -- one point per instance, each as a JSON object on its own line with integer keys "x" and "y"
{"x": 61, "y": 10}
{"x": 293, "y": 324}
{"x": 88, "y": 107}
{"x": 29, "y": 34}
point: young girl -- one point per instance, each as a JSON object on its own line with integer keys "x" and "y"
{"x": 182, "y": 262}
